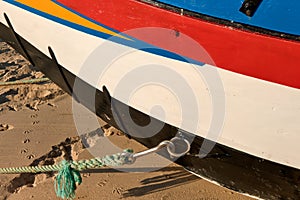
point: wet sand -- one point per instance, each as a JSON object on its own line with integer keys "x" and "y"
{"x": 37, "y": 127}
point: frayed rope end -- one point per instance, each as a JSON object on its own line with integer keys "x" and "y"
{"x": 66, "y": 181}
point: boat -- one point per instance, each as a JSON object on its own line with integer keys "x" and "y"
{"x": 226, "y": 74}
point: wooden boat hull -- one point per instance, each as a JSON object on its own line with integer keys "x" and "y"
{"x": 256, "y": 150}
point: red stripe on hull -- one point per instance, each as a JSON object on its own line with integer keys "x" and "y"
{"x": 255, "y": 55}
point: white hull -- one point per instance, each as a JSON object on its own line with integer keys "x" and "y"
{"x": 261, "y": 118}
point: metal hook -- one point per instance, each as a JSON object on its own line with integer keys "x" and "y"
{"x": 170, "y": 145}
{"x": 172, "y": 148}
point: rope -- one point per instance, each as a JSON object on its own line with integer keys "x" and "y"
{"x": 68, "y": 171}
{"x": 39, "y": 80}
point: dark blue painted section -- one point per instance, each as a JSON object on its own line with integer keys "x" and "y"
{"x": 276, "y": 15}
{"x": 134, "y": 43}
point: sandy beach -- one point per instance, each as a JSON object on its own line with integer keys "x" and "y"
{"x": 37, "y": 128}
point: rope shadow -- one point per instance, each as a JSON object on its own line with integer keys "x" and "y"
{"x": 126, "y": 170}
{"x": 161, "y": 183}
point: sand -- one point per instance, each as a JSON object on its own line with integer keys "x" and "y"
{"x": 37, "y": 127}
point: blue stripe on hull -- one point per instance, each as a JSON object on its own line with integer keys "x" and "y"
{"x": 135, "y": 43}
{"x": 276, "y": 15}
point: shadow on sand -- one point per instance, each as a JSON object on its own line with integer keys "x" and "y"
{"x": 161, "y": 183}
{"x": 173, "y": 177}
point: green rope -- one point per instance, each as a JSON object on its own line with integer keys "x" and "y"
{"x": 68, "y": 171}
{"x": 66, "y": 181}
{"x": 39, "y": 80}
